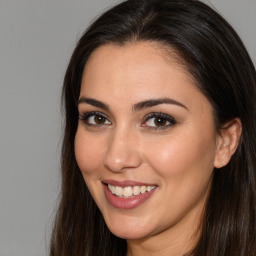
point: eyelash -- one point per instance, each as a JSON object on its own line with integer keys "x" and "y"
{"x": 85, "y": 117}
{"x": 164, "y": 117}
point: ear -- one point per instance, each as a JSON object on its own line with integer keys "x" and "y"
{"x": 227, "y": 142}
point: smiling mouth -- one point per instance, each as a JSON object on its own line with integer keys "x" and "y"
{"x": 127, "y": 194}
{"x": 130, "y": 191}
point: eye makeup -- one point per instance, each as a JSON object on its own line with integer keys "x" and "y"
{"x": 154, "y": 120}
{"x": 158, "y": 120}
{"x": 94, "y": 118}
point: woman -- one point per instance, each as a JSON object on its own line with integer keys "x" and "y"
{"x": 159, "y": 149}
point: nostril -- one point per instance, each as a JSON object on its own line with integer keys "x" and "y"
{"x": 121, "y": 161}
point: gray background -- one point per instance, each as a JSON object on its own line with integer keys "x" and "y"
{"x": 36, "y": 41}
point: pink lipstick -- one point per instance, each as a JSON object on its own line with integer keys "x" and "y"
{"x": 127, "y": 194}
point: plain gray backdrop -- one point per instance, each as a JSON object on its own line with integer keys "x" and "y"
{"x": 36, "y": 40}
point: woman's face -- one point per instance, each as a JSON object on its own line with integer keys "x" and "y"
{"x": 146, "y": 143}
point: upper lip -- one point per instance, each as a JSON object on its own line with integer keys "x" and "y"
{"x": 126, "y": 183}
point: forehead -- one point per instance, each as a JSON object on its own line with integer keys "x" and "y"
{"x": 137, "y": 71}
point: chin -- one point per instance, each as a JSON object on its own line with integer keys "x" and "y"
{"x": 128, "y": 234}
{"x": 128, "y": 231}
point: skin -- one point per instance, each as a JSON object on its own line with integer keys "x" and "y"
{"x": 178, "y": 158}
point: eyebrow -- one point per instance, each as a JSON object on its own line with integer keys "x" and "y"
{"x": 137, "y": 107}
{"x": 155, "y": 102}
{"x": 93, "y": 102}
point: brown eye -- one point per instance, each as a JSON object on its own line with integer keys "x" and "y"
{"x": 160, "y": 121}
{"x": 99, "y": 119}
{"x": 94, "y": 119}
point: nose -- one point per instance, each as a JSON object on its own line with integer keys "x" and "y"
{"x": 122, "y": 152}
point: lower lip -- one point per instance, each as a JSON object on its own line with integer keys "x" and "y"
{"x": 126, "y": 203}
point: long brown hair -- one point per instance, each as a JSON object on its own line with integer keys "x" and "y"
{"x": 217, "y": 59}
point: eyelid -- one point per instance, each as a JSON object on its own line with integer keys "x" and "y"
{"x": 152, "y": 115}
{"x": 85, "y": 116}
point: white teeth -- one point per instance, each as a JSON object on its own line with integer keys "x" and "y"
{"x": 136, "y": 190}
{"x": 118, "y": 191}
{"x": 143, "y": 189}
{"x": 129, "y": 191}
{"x": 149, "y": 188}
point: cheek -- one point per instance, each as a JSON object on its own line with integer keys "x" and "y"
{"x": 178, "y": 155}
{"x": 87, "y": 152}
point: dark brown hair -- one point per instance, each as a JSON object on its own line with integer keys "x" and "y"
{"x": 217, "y": 59}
